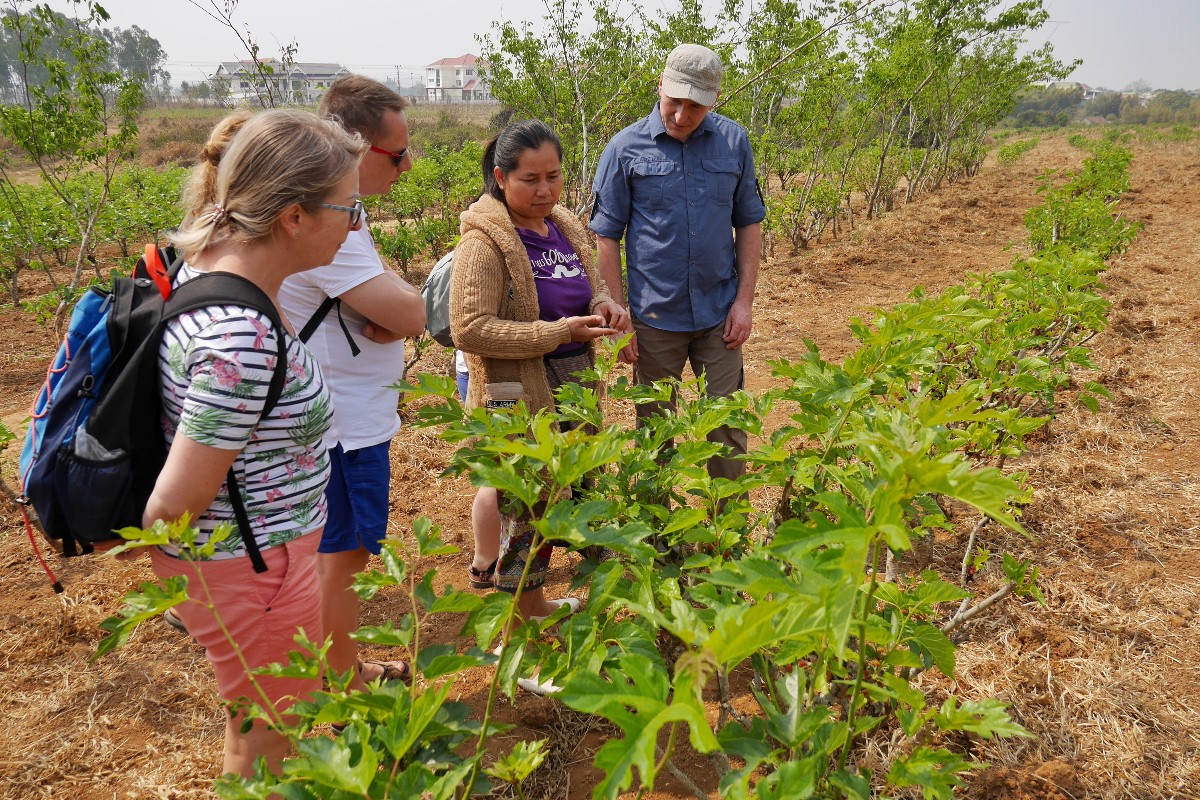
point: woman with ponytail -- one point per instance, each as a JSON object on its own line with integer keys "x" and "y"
{"x": 525, "y": 304}
{"x": 272, "y": 194}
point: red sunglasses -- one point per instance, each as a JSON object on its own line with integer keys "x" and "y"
{"x": 397, "y": 158}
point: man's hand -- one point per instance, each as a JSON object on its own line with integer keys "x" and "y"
{"x": 737, "y": 325}
{"x": 615, "y": 316}
{"x": 629, "y": 353}
{"x": 380, "y": 335}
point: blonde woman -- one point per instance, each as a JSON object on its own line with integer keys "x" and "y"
{"x": 272, "y": 195}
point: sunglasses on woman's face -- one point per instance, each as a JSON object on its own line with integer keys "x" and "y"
{"x": 397, "y": 158}
{"x": 355, "y": 211}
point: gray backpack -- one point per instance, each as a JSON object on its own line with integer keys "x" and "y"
{"x": 436, "y": 292}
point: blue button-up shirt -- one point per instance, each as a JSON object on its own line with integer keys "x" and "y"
{"x": 676, "y": 205}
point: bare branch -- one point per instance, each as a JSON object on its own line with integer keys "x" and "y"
{"x": 969, "y": 614}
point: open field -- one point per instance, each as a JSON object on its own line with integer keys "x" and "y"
{"x": 1104, "y": 674}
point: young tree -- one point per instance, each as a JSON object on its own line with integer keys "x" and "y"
{"x": 271, "y": 86}
{"x": 82, "y": 118}
{"x": 586, "y": 86}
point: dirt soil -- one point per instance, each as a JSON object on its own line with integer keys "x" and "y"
{"x": 1104, "y": 674}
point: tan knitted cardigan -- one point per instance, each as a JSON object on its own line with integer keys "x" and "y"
{"x": 494, "y": 305}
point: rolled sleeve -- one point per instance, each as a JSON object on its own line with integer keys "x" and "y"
{"x": 610, "y": 213}
{"x": 748, "y": 207}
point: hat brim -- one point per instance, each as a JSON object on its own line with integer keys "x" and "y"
{"x": 679, "y": 90}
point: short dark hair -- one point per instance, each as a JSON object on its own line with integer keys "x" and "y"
{"x": 359, "y": 103}
{"x": 505, "y": 151}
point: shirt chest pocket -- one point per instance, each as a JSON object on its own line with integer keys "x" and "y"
{"x": 650, "y": 183}
{"x": 721, "y": 176}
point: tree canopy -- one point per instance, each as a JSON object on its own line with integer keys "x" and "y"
{"x": 130, "y": 52}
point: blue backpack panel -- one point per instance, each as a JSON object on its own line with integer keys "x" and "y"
{"x": 95, "y": 442}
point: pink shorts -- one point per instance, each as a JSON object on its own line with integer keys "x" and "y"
{"x": 262, "y": 611}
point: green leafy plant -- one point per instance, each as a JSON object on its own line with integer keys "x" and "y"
{"x": 82, "y": 118}
{"x": 697, "y": 585}
{"x": 1008, "y": 154}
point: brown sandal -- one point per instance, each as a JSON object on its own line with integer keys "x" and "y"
{"x": 392, "y": 670}
{"x": 482, "y": 578}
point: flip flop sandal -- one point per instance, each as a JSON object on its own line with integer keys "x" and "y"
{"x": 392, "y": 670}
{"x": 482, "y": 578}
{"x": 539, "y": 687}
{"x": 172, "y": 619}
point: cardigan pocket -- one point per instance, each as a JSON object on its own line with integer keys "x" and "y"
{"x": 505, "y": 394}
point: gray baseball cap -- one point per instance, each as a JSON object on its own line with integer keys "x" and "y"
{"x": 693, "y": 72}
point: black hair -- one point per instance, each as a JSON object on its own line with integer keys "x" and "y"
{"x": 505, "y": 150}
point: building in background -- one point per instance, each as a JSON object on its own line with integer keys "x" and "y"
{"x": 456, "y": 80}
{"x": 300, "y": 83}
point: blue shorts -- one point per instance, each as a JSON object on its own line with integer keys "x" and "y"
{"x": 357, "y": 496}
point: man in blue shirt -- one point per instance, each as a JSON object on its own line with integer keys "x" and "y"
{"x": 679, "y": 187}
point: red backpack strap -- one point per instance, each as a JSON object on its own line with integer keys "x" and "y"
{"x": 157, "y": 270}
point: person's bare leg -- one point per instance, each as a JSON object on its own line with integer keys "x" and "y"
{"x": 533, "y": 603}
{"x": 339, "y": 610}
{"x": 485, "y": 525}
{"x": 242, "y": 749}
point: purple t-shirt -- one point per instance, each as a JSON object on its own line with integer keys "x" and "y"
{"x": 562, "y": 284}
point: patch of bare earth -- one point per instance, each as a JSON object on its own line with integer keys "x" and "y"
{"x": 1104, "y": 674}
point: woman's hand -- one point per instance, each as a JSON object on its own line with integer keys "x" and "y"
{"x": 584, "y": 329}
{"x": 615, "y": 316}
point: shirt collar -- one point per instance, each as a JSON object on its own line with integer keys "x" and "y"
{"x": 657, "y": 128}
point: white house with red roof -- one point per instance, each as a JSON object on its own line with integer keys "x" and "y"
{"x": 456, "y": 80}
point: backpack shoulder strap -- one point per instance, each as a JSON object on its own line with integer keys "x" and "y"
{"x": 318, "y": 317}
{"x": 224, "y": 288}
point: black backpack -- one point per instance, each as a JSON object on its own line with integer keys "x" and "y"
{"x": 95, "y": 444}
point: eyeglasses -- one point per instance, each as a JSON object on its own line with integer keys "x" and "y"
{"x": 355, "y": 211}
{"x": 397, "y": 158}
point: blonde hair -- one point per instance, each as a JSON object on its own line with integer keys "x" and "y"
{"x": 256, "y": 165}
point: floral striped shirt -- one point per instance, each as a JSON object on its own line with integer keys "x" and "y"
{"x": 215, "y": 367}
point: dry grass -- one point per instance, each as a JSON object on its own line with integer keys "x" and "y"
{"x": 1104, "y": 674}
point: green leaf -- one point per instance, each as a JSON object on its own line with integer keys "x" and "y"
{"x": 486, "y": 621}
{"x": 386, "y": 635}
{"x": 429, "y": 539}
{"x": 455, "y": 602}
{"x": 636, "y": 700}
{"x": 517, "y": 765}
{"x": 331, "y": 764}
{"x": 436, "y": 660}
{"x": 986, "y": 718}
{"x": 399, "y": 739}
{"x": 929, "y": 640}
{"x": 794, "y": 779}
{"x": 684, "y": 518}
{"x": 934, "y": 770}
{"x": 149, "y": 601}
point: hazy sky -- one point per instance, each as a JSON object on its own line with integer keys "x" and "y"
{"x": 1120, "y": 41}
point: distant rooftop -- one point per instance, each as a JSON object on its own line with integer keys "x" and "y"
{"x": 465, "y": 60}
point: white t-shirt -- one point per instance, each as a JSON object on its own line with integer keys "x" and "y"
{"x": 364, "y": 408}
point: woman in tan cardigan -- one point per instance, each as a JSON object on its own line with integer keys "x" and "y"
{"x": 525, "y": 303}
